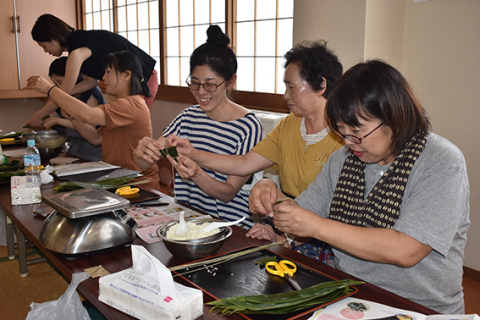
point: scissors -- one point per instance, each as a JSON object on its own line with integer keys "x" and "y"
{"x": 284, "y": 269}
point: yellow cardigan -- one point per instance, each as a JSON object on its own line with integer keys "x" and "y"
{"x": 297, "y": 164}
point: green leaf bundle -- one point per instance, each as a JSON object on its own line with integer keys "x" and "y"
{"x": 12, "y": 135}
{"x": 171, "y": 151}
{"x": 110, "y": 183}
{"x": 281, "y": 303}
{"x": 10, "y": 169}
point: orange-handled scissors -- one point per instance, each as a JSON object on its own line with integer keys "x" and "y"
{"x": 284, "y": 269}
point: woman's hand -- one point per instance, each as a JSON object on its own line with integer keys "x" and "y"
{"x": 183, "y": 146}
{"x": 263, "y": 232}
{"x": 186, "y": 167}
{"x": 50, "y": 122}
{"x": 35, "y": 122}
{"x": 291, "y": 218}
{"x": 147, "y": 152}
{"x": 38, "y": 83}
{"x": 262, "y": 197}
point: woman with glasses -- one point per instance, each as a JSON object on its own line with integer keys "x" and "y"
{"x": 217, "y": 125}
{"x": 393, "y": 203}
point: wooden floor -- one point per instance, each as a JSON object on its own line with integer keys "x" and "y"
{"x": 43, "y": 284}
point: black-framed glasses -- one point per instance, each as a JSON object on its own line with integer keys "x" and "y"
{"x": 209, "y": 87}
{"x": 358, "y": 140}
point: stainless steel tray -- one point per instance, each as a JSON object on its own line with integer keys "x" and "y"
{"x": 85, "y": 202}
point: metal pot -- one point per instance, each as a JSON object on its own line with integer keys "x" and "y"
{"x": 88, "y": 234}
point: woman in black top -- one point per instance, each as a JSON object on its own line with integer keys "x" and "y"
{"x": 86, "y": 53}
{"x": 78, "y": 146}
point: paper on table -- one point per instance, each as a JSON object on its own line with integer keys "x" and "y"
{"x": 358, "y": 309}
{"x": 84, "y": 167}
{"x": 120, "y": 173}
{"x": 13, "y": 153}
{"x": 98, "y": 271}
{"x": 60, "y": 161}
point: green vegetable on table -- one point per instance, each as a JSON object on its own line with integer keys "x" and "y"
{"x": 12, "y": 135}
{"x": 110, "y": 183}
{"x": 265, "y": 260}
{"x": 10, "y": 169}
{"x": 281, "y": 303}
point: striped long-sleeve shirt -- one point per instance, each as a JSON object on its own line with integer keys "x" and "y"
{"x": 231, "y": 137}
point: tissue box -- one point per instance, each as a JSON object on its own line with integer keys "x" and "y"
{"x": 147, "y": 291}
{"x": 25, "y": 190}
{"x": 138, "y": 299}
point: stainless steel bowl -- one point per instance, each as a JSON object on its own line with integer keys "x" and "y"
{"x": 194, "y": 249}
{"x": 88, "y": 234}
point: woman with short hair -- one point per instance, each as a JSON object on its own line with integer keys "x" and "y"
{"x": 393, "y": 203}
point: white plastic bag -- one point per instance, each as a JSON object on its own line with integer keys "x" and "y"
{"x": 68, "y": 306}
{"x": 45, "y": 175}
{"x": 147, "y": 291}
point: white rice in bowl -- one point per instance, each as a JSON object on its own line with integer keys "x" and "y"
{"x": 193, "y": 231}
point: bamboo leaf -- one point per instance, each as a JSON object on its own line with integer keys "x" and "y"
{"x": 110, "y": 183}
{"x": 12, "y": 135}
{"x": 171, "y": 151}
{"x": 285, "y": 302}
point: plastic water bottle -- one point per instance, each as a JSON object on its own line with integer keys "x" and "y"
{"x": 31, "y": 160}
{"x": 3, "y": 159}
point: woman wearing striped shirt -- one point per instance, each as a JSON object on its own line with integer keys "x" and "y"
{"x": 217, "y": 125}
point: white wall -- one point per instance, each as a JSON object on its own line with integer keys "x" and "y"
{"x": 339, "y": 22}
{"x": 442, "y": 62}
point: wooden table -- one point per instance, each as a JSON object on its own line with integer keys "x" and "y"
{"x": 120, "y": 258}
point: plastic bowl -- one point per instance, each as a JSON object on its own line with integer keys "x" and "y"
{"x": 196, "y": 249}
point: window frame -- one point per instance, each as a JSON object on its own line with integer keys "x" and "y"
{"x": 254, "y": 100}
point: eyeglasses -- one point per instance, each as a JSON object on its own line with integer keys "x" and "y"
{"x": 209, "y": 87}
{"x": 358, "y": 140}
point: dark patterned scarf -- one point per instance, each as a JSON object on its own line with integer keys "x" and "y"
{"x": 381, "y": 208}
